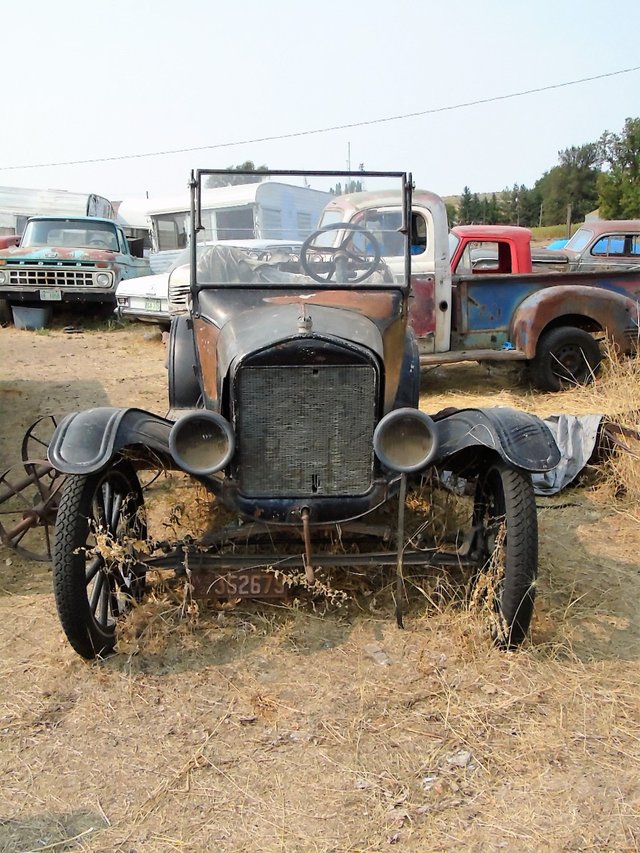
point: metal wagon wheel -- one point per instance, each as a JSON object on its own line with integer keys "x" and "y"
{"x": 29, "y": 501}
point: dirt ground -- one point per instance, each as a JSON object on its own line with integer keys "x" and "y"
{"x": 320, "y": 728}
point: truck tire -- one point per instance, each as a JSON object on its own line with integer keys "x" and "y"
{"x": 565, "y": 357}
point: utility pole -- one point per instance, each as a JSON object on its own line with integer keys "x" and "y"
{"x": 569, "y": 207}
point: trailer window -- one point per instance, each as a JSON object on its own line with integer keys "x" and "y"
{"x": 171, "y": 230}
{"x": 235, "y": 224}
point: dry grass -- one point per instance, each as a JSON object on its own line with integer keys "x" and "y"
{"x": 318, "y": 727}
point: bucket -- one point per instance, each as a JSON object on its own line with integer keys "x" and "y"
{"x": 30, "y": 318}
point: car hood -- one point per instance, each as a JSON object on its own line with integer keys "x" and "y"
{"x": 56, "y": 253}
{"x": 154, "y": 286}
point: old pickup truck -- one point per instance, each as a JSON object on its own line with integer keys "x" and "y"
{"x": 69, "y": 259}
{"x": 466, "y": 305}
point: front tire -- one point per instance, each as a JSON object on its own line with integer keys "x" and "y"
{"x": 505, "y": 514}
{"x": 565, "y": 357}
{"x": 94, "y": 586}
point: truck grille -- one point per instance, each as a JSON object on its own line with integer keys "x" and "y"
{"x": 305, "y": 431}
{"x": 48, "y": 277}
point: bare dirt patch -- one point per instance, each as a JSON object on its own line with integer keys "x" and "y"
{"x": 323, "y": 727}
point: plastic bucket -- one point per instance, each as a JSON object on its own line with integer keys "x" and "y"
{"x": 30, "y": 318}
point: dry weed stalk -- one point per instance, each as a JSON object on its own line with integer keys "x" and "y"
{"x": 616, "y": 394}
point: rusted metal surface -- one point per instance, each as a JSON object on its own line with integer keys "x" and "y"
{"x": 28, "y": 502}
{"x": 589, "y": 308}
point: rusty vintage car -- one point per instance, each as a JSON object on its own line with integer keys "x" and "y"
{"x": 294, "y": 394}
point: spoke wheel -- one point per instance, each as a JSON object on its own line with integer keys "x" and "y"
{"x": 504, "y": 587}
{"x": 95, "y": 576}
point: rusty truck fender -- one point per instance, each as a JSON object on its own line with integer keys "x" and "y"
{"x": 590, "y": 308}
{"x": 86, "y": 442}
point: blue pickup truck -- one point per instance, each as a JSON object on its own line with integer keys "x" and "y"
{"x": 69, "y": 259}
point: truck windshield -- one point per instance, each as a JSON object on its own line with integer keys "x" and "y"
{"x": 70, "y": 233}
{"x": 342, "y": 239}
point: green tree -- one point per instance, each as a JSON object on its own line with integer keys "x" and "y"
{"x": 349, "y": 187}
{"x": 465, "y": 207}
{"x": 232, "y": 180}
{"x": 452, "y": 214}
{"x": 572, "y": 182}
{"x": 619, "y": 186}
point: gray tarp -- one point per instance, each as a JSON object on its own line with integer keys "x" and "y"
{"x": 576, "y": 440}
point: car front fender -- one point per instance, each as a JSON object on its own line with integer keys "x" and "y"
{"x": 87, "y": 441}
{"x": 521, "y": 439}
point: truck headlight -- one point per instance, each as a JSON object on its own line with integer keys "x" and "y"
{"x": 406, "y": 440}
{"x": 103, "y": 279}
{"x": 4, "y": 277}
{"x": 202, "y": 443}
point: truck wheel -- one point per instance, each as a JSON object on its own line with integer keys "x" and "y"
{"x": 505, "y": 514}
{"x": 565, "y": 357}
{"x": 94, "y": 588}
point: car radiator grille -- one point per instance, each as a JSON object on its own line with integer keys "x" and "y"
{"x": 59, "y": 277}
{"x": 305, "y": 431}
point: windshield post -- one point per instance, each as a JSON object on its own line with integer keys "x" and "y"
{"x": 194, "y": 187}
{"x": 407, "y": 190}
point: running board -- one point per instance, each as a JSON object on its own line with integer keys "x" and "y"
{"x": 432, "y": 358}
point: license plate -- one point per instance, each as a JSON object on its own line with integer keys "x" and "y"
{"x": 242, "y": 584}
{"x": 152, "y": 304}
{"x": 51, "y": 294}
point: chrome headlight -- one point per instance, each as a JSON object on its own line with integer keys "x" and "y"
{"x": 4, "y": 277}
{"x": 406, "y": 440}
{"x": 202, "y": 443}
{"x": 103, "y": 279}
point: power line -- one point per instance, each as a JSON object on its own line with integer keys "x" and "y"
{"x": 348, "y": 126}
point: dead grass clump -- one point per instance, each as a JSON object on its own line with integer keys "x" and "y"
{"x": 616, "y": 394}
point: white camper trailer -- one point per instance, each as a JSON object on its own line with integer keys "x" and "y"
{"x": 17, "y": 204}
{"x": 268, "y": 210}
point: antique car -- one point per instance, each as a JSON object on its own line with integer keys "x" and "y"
{"x": 294, "y": 395}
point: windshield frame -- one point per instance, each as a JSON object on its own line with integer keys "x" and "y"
{"x": 196, "y": 186}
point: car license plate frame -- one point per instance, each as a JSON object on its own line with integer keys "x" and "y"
{"x": 50, "y": 294}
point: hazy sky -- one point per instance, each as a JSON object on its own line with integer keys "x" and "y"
{"x": 85, "y": 79}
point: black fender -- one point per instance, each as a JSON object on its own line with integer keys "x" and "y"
{"x": 182, "y": 364}
{"x": 88, "y": 441}
{"x": 521, "y": 439}
{"x": 408, "y": 392}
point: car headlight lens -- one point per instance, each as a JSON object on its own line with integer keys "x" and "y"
{"x": 202, "y": 442}
{"x": 103, "y": 279}
{"x": 406, "y": 440}
{"x": 4, "y": 277}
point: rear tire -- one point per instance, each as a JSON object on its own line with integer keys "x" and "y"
{"x": 93, "y": 589}
{"x": 565, "y": 357}
{"x": 505, "y": 510}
